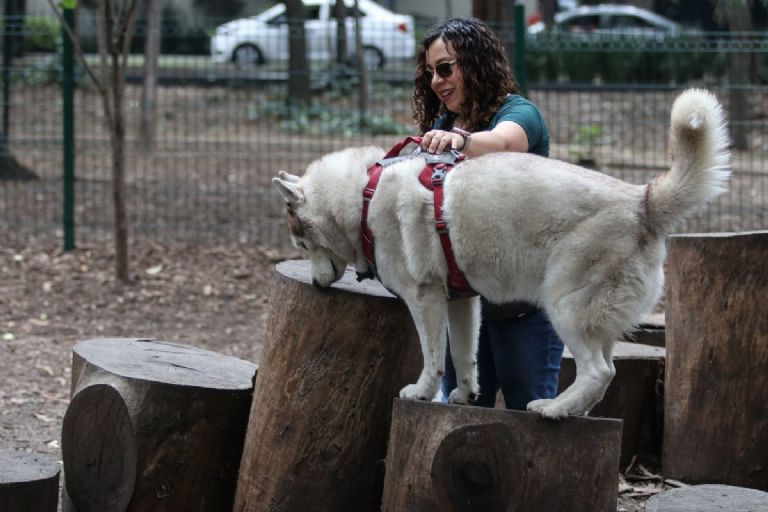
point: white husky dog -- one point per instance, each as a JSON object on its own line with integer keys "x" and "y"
{"x": 586, "y": 247}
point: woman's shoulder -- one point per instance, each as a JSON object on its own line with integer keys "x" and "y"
{"x": 517, "y": 108}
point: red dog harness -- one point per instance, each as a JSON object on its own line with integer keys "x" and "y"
{"x": 432, "y": 177}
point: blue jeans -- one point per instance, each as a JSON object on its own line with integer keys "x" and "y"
{"x": 521, "y": 357}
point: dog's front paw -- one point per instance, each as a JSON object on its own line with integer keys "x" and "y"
{"x": 415, "y": 392}
{"x": 549, "y": 408}
{"x": 462, "y": 397}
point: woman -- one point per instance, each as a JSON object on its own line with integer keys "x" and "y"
{"x": 467, "y": 99}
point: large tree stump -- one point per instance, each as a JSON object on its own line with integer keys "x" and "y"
{"x": 333, "y": 360}
{"x": 153, "y": 426}
{"x": 457, "y": 458}
{"x": 709, "y": 498}
{"x": 636, "y": 395}
{"x": 28, "y": 482}
{"x": 716, "y": 405}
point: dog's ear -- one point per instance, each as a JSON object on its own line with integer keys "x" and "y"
{"x": 286, "y": 176}
{"x": 291, "y": 191}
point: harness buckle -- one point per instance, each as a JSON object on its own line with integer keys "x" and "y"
{"x": 438, "y": 174}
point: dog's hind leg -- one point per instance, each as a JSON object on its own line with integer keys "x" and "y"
{"x": 594, "y": 372}
{"x": 463, "y": 327}
{"x": 429, "y": 309}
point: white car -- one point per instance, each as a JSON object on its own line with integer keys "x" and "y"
{"x": 264, "y": 38}
{"x": 608, "y": 20}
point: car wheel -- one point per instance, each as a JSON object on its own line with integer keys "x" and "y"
{"x": 373, "y": 59}
{"x": 247, "y": 55}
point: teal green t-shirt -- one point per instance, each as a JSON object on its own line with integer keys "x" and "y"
{"x": 519, "y": 110}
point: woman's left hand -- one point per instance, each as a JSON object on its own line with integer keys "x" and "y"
{"x": 437, "y": 141}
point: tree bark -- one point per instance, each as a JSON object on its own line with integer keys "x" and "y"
{"x": 446, "y": 457}
{"x": 153, "y": 426}
{"x": 149, "y": 92}
{"x": 28, "y": 482}
{"x": 635, "y": 396}
{"x": 716, "y": 405}
{"x": 298, "y": 70}
{"x": 333, "y": 360}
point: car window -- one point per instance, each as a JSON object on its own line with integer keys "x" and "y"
{"x": 622, "y": 21}
{"x": 350, "y": 13}
{"x": 313, "y": 13}
{"x": 582, "y": 23}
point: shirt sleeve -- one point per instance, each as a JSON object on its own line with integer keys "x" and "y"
{"x": 527, "y": 116}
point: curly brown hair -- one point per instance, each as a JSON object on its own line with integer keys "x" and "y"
{"x": 487, "y": 74}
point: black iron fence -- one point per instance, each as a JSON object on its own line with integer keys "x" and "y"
{"x": 222, "y": 130}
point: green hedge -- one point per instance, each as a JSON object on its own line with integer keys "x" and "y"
{"x": 557, "y": 57}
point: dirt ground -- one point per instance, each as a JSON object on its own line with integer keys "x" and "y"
{"x": 214, "y": 298}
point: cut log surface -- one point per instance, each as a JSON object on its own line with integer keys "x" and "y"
{"x": 635, "y": 396}
{"x": 709, "y": 498}
{"x": 28, "y": 482}
{"x": 153, "y": 426}
{"x": 447, "y": 457}
{"x": 333, "y": 360}
{"x": 716, "y": 404}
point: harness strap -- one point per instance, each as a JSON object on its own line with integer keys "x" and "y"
{"x": 439, "y": 166}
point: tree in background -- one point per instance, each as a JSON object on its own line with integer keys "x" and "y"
{"x": 12, "y": 39}
{"x": 298, "y": 65}
{"x": 116, "y": 21}
{"x": 737, "y": 16}
{"x": 152, "y": 48}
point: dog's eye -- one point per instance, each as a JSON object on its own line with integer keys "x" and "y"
{"x": 301, "y": 244}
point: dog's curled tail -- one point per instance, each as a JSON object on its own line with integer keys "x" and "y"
{"x": 698, "y": 146}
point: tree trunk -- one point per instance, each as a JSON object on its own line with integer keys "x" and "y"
{"x": 466, "y": 459}
{"x": 153, "y": 426}
{"x": 12, "y": 29}
{"x": 634, "y": 396}
{"x": 298, "y": 67}
{"x": 117, "y": 137}
{"x": 716, "y": 405}
{"x": 342, "y": 51}
{"x": 149, "y": 92}
{"x": 362, "y": 72}
{"x": 28, "y": 482}
{"x": 739, "y": 20}
{"x": 332, "y": 362}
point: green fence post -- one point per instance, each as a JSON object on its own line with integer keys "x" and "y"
{"x": 68, "y": 93}
{"x": 520, "y": 54}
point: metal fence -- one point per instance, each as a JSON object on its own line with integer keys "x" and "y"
{"x": 223, "y": 131}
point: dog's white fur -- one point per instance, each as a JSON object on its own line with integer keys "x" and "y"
{"x": 586, "y": 247}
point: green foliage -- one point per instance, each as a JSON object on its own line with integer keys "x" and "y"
{"x": 587, "y": 137}
{"x": 325, "y": 116}
{"x": 41, "y": 34}
{"x": 563, "y": 57}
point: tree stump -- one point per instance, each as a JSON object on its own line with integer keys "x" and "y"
{"x": 28, "y": 482}
{"x": 709, "y": 498}
{"x": 458, "y": 458}
{"x": 716, "y": 405}
{"x": 636, "y": 396}
{"x": 152, "y": 426}
{"x": 333, "y": 360}
{"x": 651, "y": 331}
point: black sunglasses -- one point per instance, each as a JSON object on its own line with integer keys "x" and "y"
{"x": 443, "y": 70}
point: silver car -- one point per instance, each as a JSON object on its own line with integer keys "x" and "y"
{"x": 610, "y": 21}
{"x": 264, "y": 38}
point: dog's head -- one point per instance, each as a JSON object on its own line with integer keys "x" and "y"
{"x": 313, "y": 229}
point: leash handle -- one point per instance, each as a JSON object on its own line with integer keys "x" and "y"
{"x": 397, "y": 148}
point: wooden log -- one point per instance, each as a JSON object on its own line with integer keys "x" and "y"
{"x": 636, "y": 395}
{"x": 651, "y": 331}
{"x": 716, "y": 405}
{"x": 153, "y": 425}
{"x": 458, "y": 458}
{"x": 709, "y": 498}
{"x": 28, "y": 482}
{"x": 332, "y": 361}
